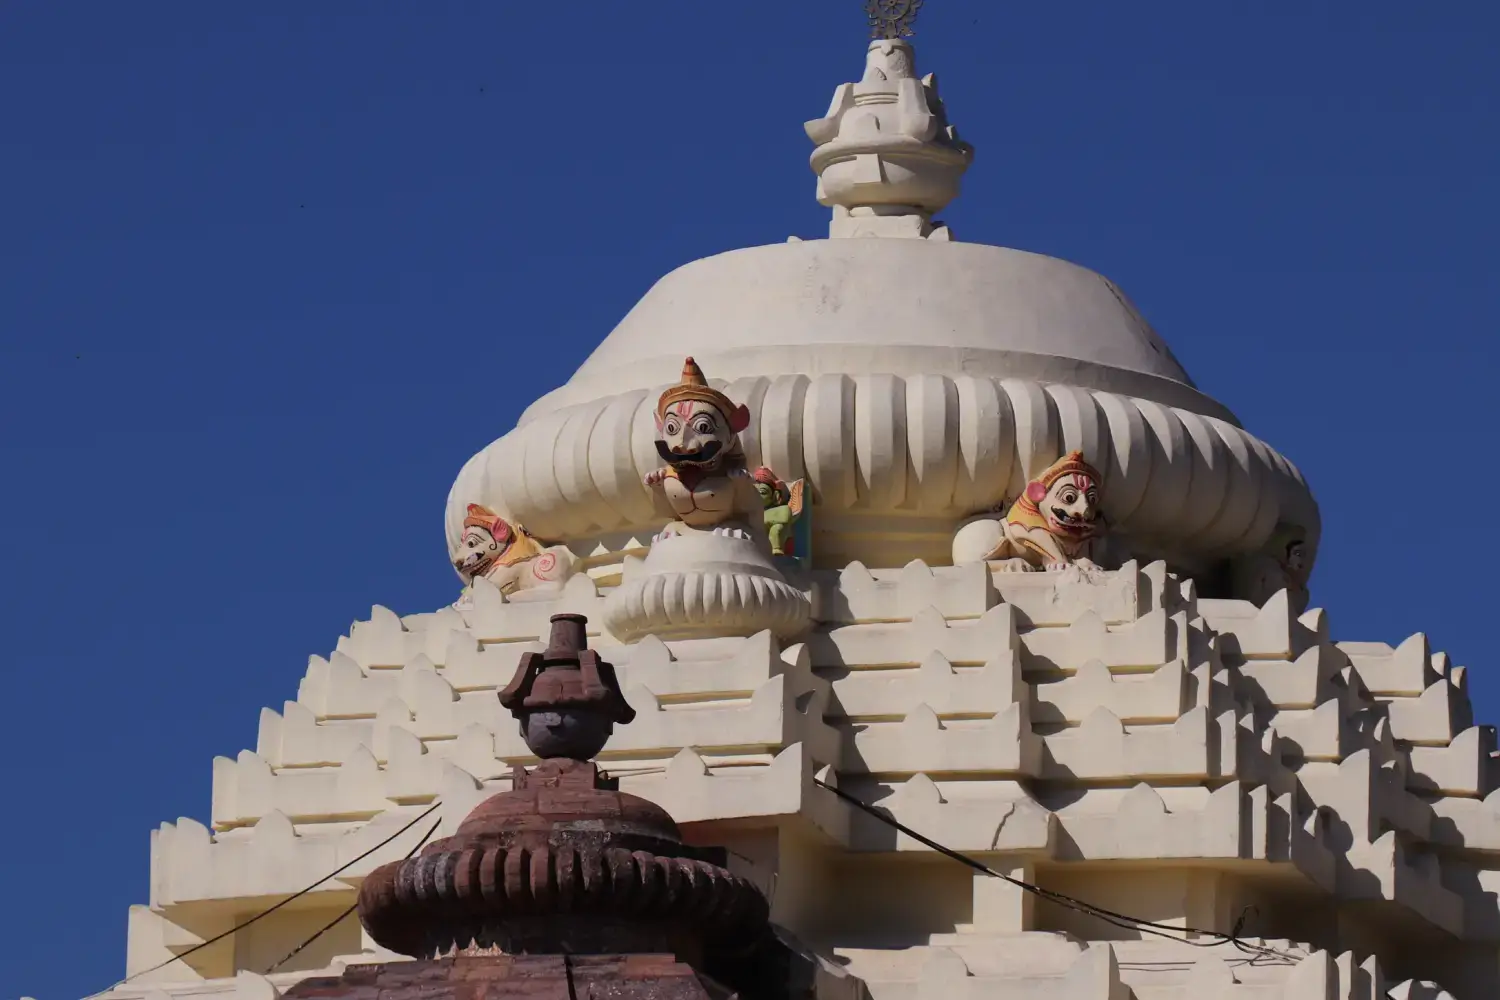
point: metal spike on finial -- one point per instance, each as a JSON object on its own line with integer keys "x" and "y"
{"x": 892, "y": 18}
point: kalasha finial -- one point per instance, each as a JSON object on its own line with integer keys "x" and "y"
{"x": 566, "y": 698}
{"x": 892, "y": 18}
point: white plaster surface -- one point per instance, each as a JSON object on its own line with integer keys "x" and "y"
{"x": 898, "y": 307}
{"x": 897, "y": 462}
{"x": 1175, "y": 758}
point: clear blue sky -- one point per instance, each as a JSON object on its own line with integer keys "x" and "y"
{"x": 264, "y": 266}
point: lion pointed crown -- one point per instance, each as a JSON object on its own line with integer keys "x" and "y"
{"x": 695, "y": 388}
{"x": 1073, "y": 463}
{"x": 480, "y": 516}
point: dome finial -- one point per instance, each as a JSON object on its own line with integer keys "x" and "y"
{"x": 887, "y": 158}
{"x": 564, "y": 863}
{"x": 566, "y": 698}
{"x": 892, "y": 18}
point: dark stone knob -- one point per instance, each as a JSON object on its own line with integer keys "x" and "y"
{"x": 566, "y": 699}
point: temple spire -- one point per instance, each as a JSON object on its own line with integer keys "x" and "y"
{"x": 886, "y": 157}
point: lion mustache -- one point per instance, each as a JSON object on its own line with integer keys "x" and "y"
{"x": 703, "y": 456}
{"x": 1074, "y": 523}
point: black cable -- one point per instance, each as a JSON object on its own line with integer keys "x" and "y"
{"x": 1122, "y": 920}
{"x": 266, "y": 913}
{"x": 319, "y": 933}
{"x": 353, "y": 906}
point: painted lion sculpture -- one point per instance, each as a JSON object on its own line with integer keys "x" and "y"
{"x": 507, "y": 555}
{"x": 1056, "y": 522}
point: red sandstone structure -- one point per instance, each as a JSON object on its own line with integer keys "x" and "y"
{"x": 564, "y": 886}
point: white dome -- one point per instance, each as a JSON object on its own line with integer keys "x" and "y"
{"x": 912, "y": 383}
{"x": 911, "y": 380}
{"x": 886, "y": 306}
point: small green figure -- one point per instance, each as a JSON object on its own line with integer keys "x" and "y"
{"x": 783, "y": 512}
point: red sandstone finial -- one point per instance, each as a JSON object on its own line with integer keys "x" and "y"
{"x": 563, "y": 863}
{"x": 567, "y": 700}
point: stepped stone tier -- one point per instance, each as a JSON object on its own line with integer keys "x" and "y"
{"x": 937, "y": 527}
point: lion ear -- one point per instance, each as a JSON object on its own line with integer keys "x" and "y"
{"x": 740, "y": 418}
{"x": 797, "y": 497}
{"x": 1036, "y": 492}
{"x": 656, "y": 415}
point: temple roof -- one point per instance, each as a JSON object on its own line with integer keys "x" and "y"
{"x": 906, "y": 376}
{"x": 891, "y": 306}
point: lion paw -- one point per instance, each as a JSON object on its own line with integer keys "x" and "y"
{"x": 655, "y": 477}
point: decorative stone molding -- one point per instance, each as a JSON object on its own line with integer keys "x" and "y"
{"x": 895, "y": 464}
{"x": 701, "y": 583}
{"x": 1208, "y": 731}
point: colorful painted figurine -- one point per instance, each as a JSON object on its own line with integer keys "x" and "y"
{"x": 1283, "y": 563}
{"x": 1055, "y": 523}
{"x": 783, "y": 510}
{"x": 698, "y": 435}
{"x": 508, "y": 555}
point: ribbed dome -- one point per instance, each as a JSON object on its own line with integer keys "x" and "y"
{"x": 896, "y": 307}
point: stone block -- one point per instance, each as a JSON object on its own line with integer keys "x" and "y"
{"x": 1270, "y": 632}
{"x": 692, "y": 792}
{"x": 1138, "y": 824}
{"x": 862, "y": 595}
{"x": 1463, "y": 767}
{"x": 1160, "y": 696}
{"x": 885, "y": 694}
{"x": 1434, "y": 717}
{"x": 983, "y": 816}
{"x": 525, "y": 617}
{"x": 1147, "y": 642}
{"x": 1387, "y": 869}
{"x": 1316, "y": 734}
{"x": 1061, "y": 597}
{"x": 246, "y": 789}
{"x": 1001, "y": 745}
{"x": 673, "y": 674}
{"x": 910, "y": 641}
{"x": 1094, "y": 975}
{"x": 295, "y": 738}
{"x": 1310, "y": 680}
{"x": 339, "y": 688}
{"x": 1467, "y": 823}
{"x": 382, "y": 642}
{"x": 1406, "y": 670}
{"x": 470, "y": 665}
{"x": 193, "y": 870}
{"x": 1102, "y": 747}
{"x": 1368, "y": 798}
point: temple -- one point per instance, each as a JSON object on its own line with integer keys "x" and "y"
{"x": 894, "y": 543}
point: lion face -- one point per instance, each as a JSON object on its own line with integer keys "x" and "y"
{"x": 1296, "y": 559}
{"x": 694, "y": 433}
{"x": 478, "y": 550}
{"x": 1071, "y": 506}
